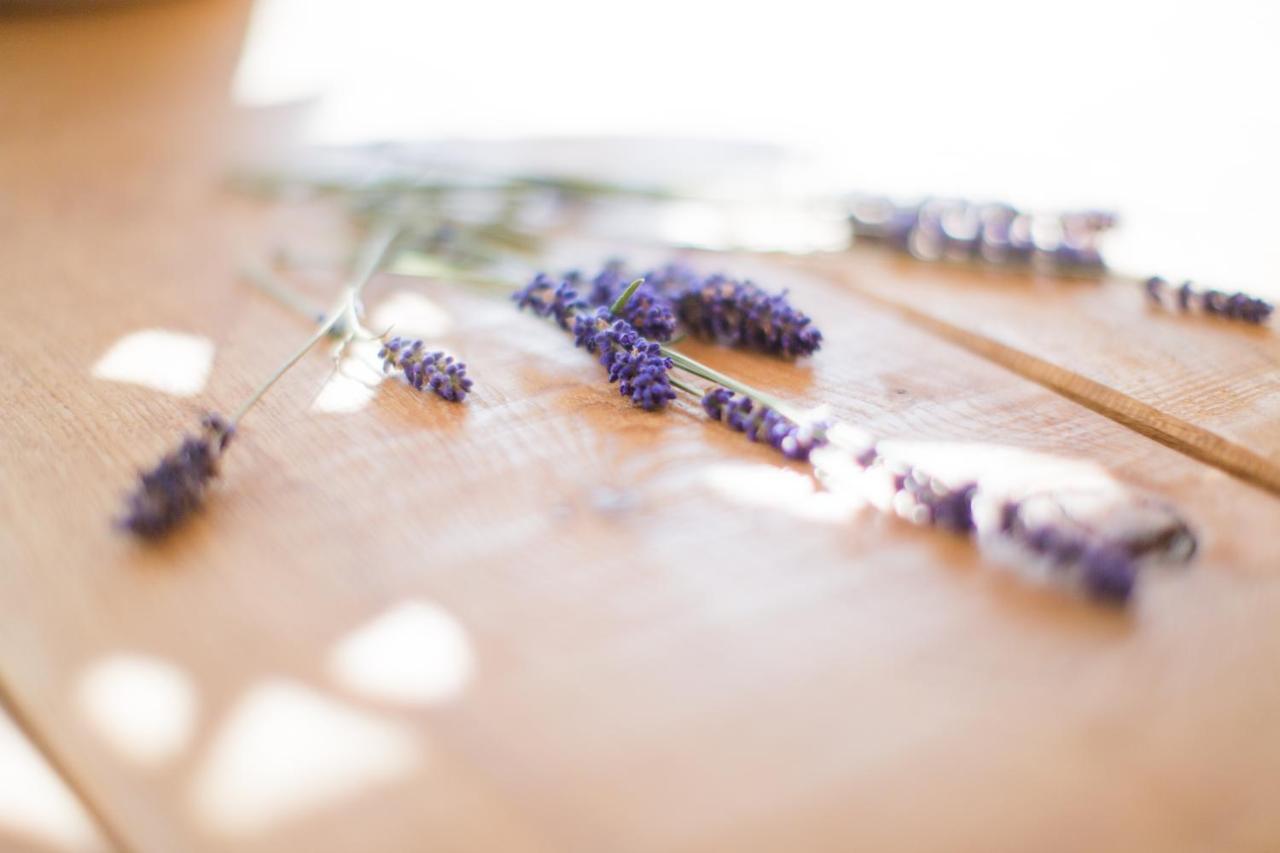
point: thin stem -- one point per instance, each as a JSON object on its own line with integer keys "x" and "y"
{"x": 699, "y": 369}
{"x": 422, "y": 265}
{"x": 371, "y": 255}
{"x": 676, "y": 383}
{"x": 269, "y": 283}
{"x": 624, "y": 297}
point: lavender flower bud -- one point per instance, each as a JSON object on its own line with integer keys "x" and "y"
{"x": 648, "y": 311}
{"x": 995, "y": 233}
{"x": 761, "y": 423}
{"x": 174, "y": 489}
{"x": 1105, "y": 570}
{"x": 636, "y": 364}
{"x": 549, "y": 299}
{"x": 739, "y": 313}
{"x": 1187, "y": 297}
{"x": 433, "y": 370}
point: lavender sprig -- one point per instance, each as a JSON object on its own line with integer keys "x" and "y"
{"x": 634, "y": 362}
{"x": 761, "y": 423}
{"x": 992, "y": 233}
{"x": 175, "y": 488}
{"x": 648, "y": 311}
{"x": 548, "y": 298}
{"x": 433, "y": 370}
{"x": 1104, "y": 568}
{"x": 1187, "y": 298}
{"x": 738, "y": 313}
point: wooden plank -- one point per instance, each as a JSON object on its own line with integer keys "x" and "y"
{"x": 545, "y": 620}
{"x": 1206, "y": 387}
{"x": 38, "y": 812}
{"x": 658, "y": 664}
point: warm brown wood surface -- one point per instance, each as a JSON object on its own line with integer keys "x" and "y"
{"x": 626, "y": 631}
{"x": 1205, "y": 386}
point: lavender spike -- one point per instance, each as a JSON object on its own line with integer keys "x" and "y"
{"x": 174, "y": 489}
{"x": 432, "y": 370}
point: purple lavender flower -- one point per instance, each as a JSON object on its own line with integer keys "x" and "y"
{"x": 996, "y": 233}
{"x": 434, "y": 370}
{"x": 739, "y": 313}
{"x": 548, "y": 298}
{"x": 636, "y": 364}
{"x": 648, "y": 311}
{"x": 761, "y": 423}
{"x": 1187, "y": 297}
{"x": 1106, "y": 570}
{"x": 174, "y": 489}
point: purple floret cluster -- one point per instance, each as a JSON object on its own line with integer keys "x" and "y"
{"x": 422, "y": 369}
{"x": 728, "y": 311}
{"x": 761, "y": 423}
{"x": 740, "y": 314}
{"x": 174, "y": 489}
{"x": 635, "y": 363}
{"x": 648, "y": 311}
{"x": 1187, "y": 298}
{"x": 632, "y": 360}
{"x": 1106, "y": 570}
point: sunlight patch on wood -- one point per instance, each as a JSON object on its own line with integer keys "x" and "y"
{"x": 173, "y": 362}
{"x": 286, "y": 750}
{"x": 143, "y": 707}
{"x": 416, "y": 653}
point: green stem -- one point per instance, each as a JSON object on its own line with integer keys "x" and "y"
{"x": 372, "y": 254}
{"x": 421, "y": 265}
{"x": 269, "y": 283}
{"x": 699, "y": 369}
{"x": 624, "y": 297}
{"x": 689, "y": 389}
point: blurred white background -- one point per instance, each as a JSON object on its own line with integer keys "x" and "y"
{"x": 1165, "y": 111}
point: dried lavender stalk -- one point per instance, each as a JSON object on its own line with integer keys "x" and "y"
{"x": 634, "y": 362}
{"x": 433, "y": 370}
{"x": 1188, "y": 298}
{"x": 993, "y": 233}
{"x": 1104, "y": 564}
{"x": 170, "y": 492}
{"x": 738, "y": 313}
{"x": 761, "y": 423}
{"x": 174, "y": 489}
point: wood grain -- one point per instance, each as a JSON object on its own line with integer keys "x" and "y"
{"x": 1207, "y": 387}
{"x": 639, "y": 631}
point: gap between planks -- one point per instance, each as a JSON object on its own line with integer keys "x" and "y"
{"x": 106, "y": 829}
{"x": 1187, "y": 438}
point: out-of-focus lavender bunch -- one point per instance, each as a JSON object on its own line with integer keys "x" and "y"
{"x": 422, "y": 369}
{"x": 634, "y": 362}
{"x": 761, "y": 423}
{"x": 1104, "y": 564}
{"x": 988, "y": 232}
{"x": 1188, "y": 298}
{"x": 174, "y": 489}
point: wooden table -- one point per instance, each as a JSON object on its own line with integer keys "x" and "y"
{"x": 544, "y": 620}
